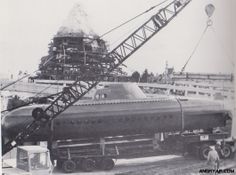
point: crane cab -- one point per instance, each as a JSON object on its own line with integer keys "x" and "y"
{"x": 31, "y": 160}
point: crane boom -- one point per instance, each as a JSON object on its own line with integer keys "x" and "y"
{"x": 78, "y": 89}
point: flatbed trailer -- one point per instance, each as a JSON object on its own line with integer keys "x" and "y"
{"x": 91, "y": 153}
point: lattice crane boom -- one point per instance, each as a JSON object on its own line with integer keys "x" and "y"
{"x": 78, "y": 89}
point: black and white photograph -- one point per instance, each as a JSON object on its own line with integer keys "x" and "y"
{"x": 117, "y": 87}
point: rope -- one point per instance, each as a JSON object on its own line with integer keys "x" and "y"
{"x": 113, "y": 44}
{"x": 28, "y": 103}
{"x": 19, "y": 79}
{"x": 195, "y": 48}
{"x": 36, "y": 95}
{"x": 122, "y": 24}
{"x": 14, "y": 82}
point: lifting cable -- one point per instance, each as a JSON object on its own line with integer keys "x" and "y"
{"x": 122, "y": 24}
{"x": 209, "y": 24}
{"x": 37, "y": 94}
{"x": 30, "y": 102}
{"x": 128, "y": 21}
{"x": 14, "y": 82}
{"x": 33, "y": 101}
{"x": 122, "y": 36}
{"x": 195, "y": 48}
{"x": 25, "y": 76}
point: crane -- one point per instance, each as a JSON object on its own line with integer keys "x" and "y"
{"x": 79, "y": 88}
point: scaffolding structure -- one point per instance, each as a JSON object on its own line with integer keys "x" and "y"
{"x": 71, "y": 55}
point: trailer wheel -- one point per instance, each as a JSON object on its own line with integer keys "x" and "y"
{"x": 226, "y": 151}
{"x": 107, "y": 164}
{"x": 88, "y": 165}
{"x": 203, "y": 151}
{"x": 69, "y": 166}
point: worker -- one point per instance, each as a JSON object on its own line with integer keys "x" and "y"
{"x": 213, "y": 158}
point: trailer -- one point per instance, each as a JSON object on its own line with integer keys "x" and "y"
{"x": 100, "y": 153}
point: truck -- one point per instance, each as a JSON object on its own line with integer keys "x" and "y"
{"x": 90, "y": 154}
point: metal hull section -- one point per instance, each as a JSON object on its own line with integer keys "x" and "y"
{"x": 121, "y": 117}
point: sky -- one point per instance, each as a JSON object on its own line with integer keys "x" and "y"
{"x": 27, "y": 26}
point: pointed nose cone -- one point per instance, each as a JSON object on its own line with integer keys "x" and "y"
{"x": 77, "y": 23}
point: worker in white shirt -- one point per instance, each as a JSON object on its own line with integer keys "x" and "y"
{"x": 213, "y": 158}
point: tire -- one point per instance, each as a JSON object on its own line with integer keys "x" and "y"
{"x": 203, "y": 151}
{"x": 226, "y": 152}
{"x": 88, "y": 165}
{"x": 107, "y": 164}
{"x": 69, "y": 166}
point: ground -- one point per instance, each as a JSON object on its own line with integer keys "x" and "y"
{"x": 162, "y": 165}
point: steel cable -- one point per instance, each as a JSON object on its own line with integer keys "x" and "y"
{"x": 122, "y": 24}
{"x": 195, "y": 48}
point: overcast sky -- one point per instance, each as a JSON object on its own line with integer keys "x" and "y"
{"x": 27, "y": 26}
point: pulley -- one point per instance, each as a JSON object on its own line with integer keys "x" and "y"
{"x": 39, "y": 115}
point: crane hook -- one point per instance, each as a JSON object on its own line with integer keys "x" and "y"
{"x": 209, "y": 9}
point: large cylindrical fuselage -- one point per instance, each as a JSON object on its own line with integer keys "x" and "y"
{"x": 120, "y": 117}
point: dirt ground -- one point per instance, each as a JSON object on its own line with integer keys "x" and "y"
{"x": 160, "y": 165}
